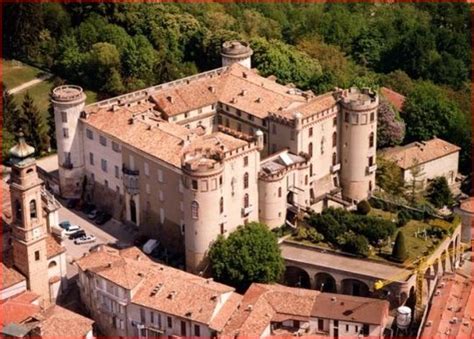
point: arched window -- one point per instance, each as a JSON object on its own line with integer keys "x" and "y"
{"x": 311, "y": 170}
{"x": 246, "y": 200}
{"x": 371, "y": 139}
{"x": 279, "y": 192}
{"x": 18, "y": 211}
{"x": 52, "y": 264}
{"x": 246, "y": 180}
{"x": 334, "y": 159}
{"x": 33, "y": 213}
{"x": 194, "y": 210}
{"x": 221, "y": 205}
{"x": 310, "y": 149}
{"x": 334, "y": 139}
{"x": 306, "y": 180}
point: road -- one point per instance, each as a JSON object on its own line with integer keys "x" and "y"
{"x": 112, "y": 232}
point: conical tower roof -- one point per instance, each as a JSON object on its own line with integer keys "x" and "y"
{"x": 21, "y": 150}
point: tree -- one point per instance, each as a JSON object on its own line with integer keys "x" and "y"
{"x": 390, "y": 128}
{"x": 250, "y": 254}
{"x": 389, "y": 176}
{"x": 356, "y": 244}
{"x": 439, "y": 194}
{"x": 415, "y": 183}
{"x": 399, "y": 252}
{"x": 363, "y": 207}
{"x": 34, "y": 125}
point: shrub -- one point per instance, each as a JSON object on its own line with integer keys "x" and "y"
{"x": 314, "y": 236}
{"x": 363, "y": 207}
{"x": 403, "y": 217}
{"x": 356, "y": 244}
{"x": 301, "y": 233}
{"x": 399, "y": 252}
{"x": 376, "y": 203}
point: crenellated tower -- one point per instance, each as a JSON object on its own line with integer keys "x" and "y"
{"x": 358, "y": 142}
{"x": 28, "y": 224}
{"x": 68, "y": 102}
{"x": 236, "y": 51}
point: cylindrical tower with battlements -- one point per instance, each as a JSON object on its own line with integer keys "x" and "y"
{"x": 358, "y": 130}
{"x": 68, "y": 102}
{"x": 236, "y": 51}
{"x": 204, "y": 217}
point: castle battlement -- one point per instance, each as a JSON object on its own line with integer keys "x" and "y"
{"x": 355, "y": 99}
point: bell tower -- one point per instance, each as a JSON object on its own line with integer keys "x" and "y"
{"x": 28, "y": 225}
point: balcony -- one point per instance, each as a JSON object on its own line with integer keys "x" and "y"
{"x": 247, "y": 210}
{"x": 371, "y": 169}
{"x": 335, "y": 168}
{"x": 130, "y": 180}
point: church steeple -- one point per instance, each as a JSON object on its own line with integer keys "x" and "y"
{"x": 28, "y": 224}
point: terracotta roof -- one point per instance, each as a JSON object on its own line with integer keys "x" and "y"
{"x": 53, "y": 248}
{"x": 59, "y": 322}
{"x": 350, "y": 308}
{"x": 396, "y": 99}
{"x": 19, "y": 308}
{"x": 225, "y": 312}
{"x": 314, "y": 105}
{"x": 406, "y": 156}
{"x": 468, "y": 205}
{"x": 454, "y": 298}
{"x": 263, "y": 304}
{"x": 10, "y": 276}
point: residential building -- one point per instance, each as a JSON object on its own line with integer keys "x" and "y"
{"x": 129, "y": 295}
{"x": 434, "y": 158}
{"x": 191, "y": 159}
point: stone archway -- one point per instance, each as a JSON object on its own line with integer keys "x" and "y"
{"x": 355, "y": 287}
{"x": 296, "y": 277}
{"x": 325, "y": 282}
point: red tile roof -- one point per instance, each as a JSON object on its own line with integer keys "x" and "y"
{"x": 18, "y": 309}
{"x": 59, "y": 322}
{"x": 396, "y": 99}
{"x": 53, "y": 248}
{"x": 10, "y": 276}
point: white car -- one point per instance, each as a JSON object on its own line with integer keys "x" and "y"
{"x": 72, "y": 229}
{"x": 85, "y": 240}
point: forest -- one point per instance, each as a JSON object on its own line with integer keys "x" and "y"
{"x": 421, "y": 50}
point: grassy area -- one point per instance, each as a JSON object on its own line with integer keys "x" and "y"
{"x": 16, "y": 73}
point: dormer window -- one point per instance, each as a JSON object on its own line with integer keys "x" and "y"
{"x": 170, "y": 99}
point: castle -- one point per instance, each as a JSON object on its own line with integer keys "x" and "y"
{"x": 191, "y": 159}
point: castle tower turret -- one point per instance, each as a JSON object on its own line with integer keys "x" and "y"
{"x": 68, "y": 102}
{"x": 358, "y": 142}
{"x": 236, "y": 51}
{"x": 203, "y": 204}
{"x": 28, "y": 225}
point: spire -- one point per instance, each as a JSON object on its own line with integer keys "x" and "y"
{"x": 21, "y": 150}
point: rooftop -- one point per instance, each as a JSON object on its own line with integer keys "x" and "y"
{"x": 53, "y": 248}
{"x": 57, "y": 321}
{"x": 395, "y": 98}
{"x": 407, "y": 156}
{"x": 10, "y": 276}
{"x": 19, "y": 308}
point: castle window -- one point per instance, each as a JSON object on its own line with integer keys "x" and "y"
{"x": 103, "y": 140}
{"x": 279, "y": 192}
{"x": 117, "y": 172}
{"x": 371, "y": 161}
{"x": 355, "y": 118}
{"x": 64, "y": 117}
{"x": 221, "y": 205}
{"x": 220, "y": 180}
{"x": 66, "y": 133}
{"x": 310, "y": 170}
{"x": 310, "y": 149}
{"x": 246, "y": 180}
{"x": 334, "y": 139}
{"x": 334, "y": 159}
{"x": 310, "y": 131}
{"x": 195, "y": 210}
{"x": 346, "y": 116}
{"x": 372, "y": 117}
{"x": 91, "y": 158}
{"x": 334, "y": 121}
{"x": 37, "y": 255}
{"x": 18, "y": 211}
{"x": 306, "y": 180}
{"x": 194, "y": 184}
{"x": 274, "y": 129}
{"x": 227, "y": 123}
{"x": 246, "y": 200}
{"x": 115, "y": 147}
{"x": 89, "y": 134}
{"x": 222, "y": 228}
{"x": 186, "y": 115}
{"x": 250, "y": 117}
{"x": 322, "y": 145}
{"x": 33, "y": 213}
{"x": 246, "y": 161}
{"x": 292, "y": 135}
{"x": 371, "y": 139}
{"x": 103, "y": 165}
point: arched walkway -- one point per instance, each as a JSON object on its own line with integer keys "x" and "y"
{"x": 325, "y": 282}
{"x": 296, "y": 277}
{"x": 355, "y": 287}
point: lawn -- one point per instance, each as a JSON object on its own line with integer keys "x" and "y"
{"x": 15, "y": 73}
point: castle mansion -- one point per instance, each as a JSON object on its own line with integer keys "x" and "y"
{"x": 191, "y": 159}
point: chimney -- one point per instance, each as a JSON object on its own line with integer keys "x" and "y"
{"x": 212, "y": 89}
{"x": 244, "y": 74}
{"x": 243, "y": 92}
{"x": 170, "y": 99}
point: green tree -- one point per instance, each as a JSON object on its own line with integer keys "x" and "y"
{"x": 356, "y": 244}
{"x": 399, "y": 252}
{"x": 11, "y": 122}
{"x": 250, "y": 254}
{"x": 415, "y": 184}
{"x": 439, "y": 193}
{"x": 389, "y": 176}
{"x": 34, "y": 125}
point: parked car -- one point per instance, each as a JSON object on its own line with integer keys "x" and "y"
{"x": 72, "y": 229}
{"x": 85, "y": 239}
{"x": 93, "y": 214}
{"x": 72, "y": 203}
{"x": 77, "y": 234}
{"x": 65, "y": 224}
{"x": 102, "y": 218}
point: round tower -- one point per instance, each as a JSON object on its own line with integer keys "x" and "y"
{"x": 204, "y": 211}
{"x": 68, "y": 102}
{"x": 358, "y": 130}
{"x": 236, "y": 51}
